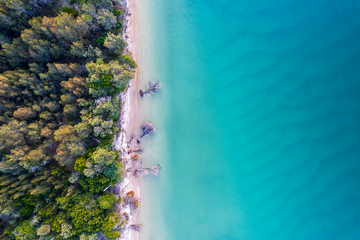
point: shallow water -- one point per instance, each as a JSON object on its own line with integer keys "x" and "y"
{"x": 258, "y": 123}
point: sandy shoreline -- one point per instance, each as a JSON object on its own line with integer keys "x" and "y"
{"x": 130, "y": 124}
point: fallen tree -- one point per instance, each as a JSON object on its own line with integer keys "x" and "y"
{"x": 146, "y": 128}
{"x": 152, "y": 88}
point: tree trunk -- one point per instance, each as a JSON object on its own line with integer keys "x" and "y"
{"x": 132, "y": 137}
{"x": 142, "y": 135}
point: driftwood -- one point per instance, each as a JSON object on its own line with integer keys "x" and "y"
{"x": 152, "y": 88}
{"x": 141, "y": 150}
{"x": 146, "y": 128}
{"x": 132, "y": 137}
{"x": 136, "y": 227}
{"x": 154, "y": 171}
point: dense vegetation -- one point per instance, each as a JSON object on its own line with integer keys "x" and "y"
{"x": 61, "y": 68}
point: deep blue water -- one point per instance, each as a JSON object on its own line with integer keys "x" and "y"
{"x": 258, "y": 123}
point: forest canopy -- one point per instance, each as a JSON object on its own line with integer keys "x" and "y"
{"x": 62, "y": 66}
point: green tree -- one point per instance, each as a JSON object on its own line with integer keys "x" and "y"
{"x": 24, "y": 113}
{"x": 34, "y": 158}
{"x": 106, "y": 19}
{"x": 68, "y": 98}
{"x": 89, "y": 9}
{"x": 86, "y": 18}
{"x": 66, "y": 230}
{"x": 43, "y": 230}
{"x": 71, "y": 111}
{"x": 85, "y": 215}
{"x": 64, "y": 26}
{"x": 70, "y": 146}
{"x": 103, "y": 128}
{"x": 24, "y": 231}
{"x": 76, "y": 86}
{"x": 103, "y": 156}
{"x": 94, "y": 185}
{"x": 12, "y": 135}
{"x": 80, "y": 164}
{"x": 52, "y": 109}
{"x": 74, "y": 177}
{"x": 106, "y": 201}
{"x": 16, "y": 5}
{"x": 26, "y": 211}
{"x": 46, "y": 132}
{"x": 83, "y": 129}
{"x": 86, "y": 236}
{"x": 69, "y": 10}
{"x": 77, "y": 49}
{"x": 16, "y": 52}
{"x": 115, "y": 43}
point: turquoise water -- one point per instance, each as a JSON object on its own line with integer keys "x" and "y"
{"x": 258, "y": 123}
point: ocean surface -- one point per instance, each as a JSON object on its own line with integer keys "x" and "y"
{"x": 258, "y": 122}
